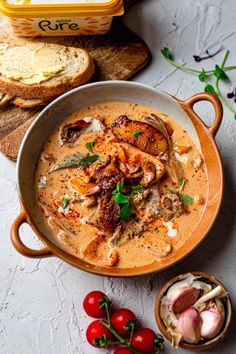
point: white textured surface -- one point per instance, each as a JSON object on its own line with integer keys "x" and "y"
{"x": 40, "y": 300}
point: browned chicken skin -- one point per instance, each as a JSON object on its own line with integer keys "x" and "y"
{"x": 149, "y": 140}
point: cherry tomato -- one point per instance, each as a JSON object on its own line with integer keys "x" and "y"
{"x": 144, "y": 340}
{"x": 92, "y": 304}
{"x": 96, "y": 331}
{"x": 120, "y": 319}
{"x": 123, "y": 350}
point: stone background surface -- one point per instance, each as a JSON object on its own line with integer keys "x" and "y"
{"x": 40, "y": 300}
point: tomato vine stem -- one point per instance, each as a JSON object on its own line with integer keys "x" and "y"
{"x": 122, "y": 340}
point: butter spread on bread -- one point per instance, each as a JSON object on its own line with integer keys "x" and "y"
{"x": 42, "y": 70}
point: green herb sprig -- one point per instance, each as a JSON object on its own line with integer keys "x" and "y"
{"x": 219, "y": 72}
{"x": 125, "y": 201}
{"x": 186, "y": 199}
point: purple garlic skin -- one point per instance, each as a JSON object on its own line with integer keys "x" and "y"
{"x": 189, "y": 325}
{"x": 212, "y": 320}
{"x": 183, "y": 298}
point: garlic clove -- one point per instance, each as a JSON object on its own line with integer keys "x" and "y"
{"x": 212, "y": 320}
{"x": 214, "y": 293}
{"x": 182, "y": 298}
{"x": 189, "y": 325}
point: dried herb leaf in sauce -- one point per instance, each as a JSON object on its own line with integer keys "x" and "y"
{"x": 89, "y": 159}
{"x": 75, "y": 160}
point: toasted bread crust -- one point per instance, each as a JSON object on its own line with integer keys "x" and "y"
{"x": 46, "y": 90}
{"x": 34, "y": 102}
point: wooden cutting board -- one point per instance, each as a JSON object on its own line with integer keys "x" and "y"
{"x": 118, "y": 55}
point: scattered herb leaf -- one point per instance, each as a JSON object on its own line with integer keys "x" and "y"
{"x": 202, "y": 76}
{"x": 137, "y": 133}
{"x": 156, "y": 229}
{"x": 173, "y": 191}
{"x": 64, "y": 202}
{"x": 186, "y": 199}
{"x": 89, "y": 145}
{"x": 167, "y": 53}
{"x": 182, "y": 182}
{"x": 125, "y": 211}
{"x": 119, "y": 187}
{"x": 89, "y": 159}
{"x": 120, "y": 198}
{"x": 219, "y": 72}
{"x": 136, "y": 189}
{"x": 210, "y": 88}
{"x": 74, "y": 160}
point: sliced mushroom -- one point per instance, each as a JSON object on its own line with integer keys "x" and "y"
{"x": 108, "y": 177}
{"x": 71, "y": 132}
{"x": 172, "y": 166}
{"x": 171, "y": 206}
{"x": 197, "y": 162}
{"x": 152, "y": 209}
{"x": 149, "y": 173}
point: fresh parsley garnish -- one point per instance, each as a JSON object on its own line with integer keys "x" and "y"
{"x": 119, "y": 187}
{"x": 137, "y": 133}
{"x": 219, "y": 73}
{"x": 89, "y": 145}
{"x": 125, "y": 211}
{"x": 125, "y": 201}
{"x": 136, "y": 190}
{"x": 64, "y": 202}
{"x": 120, "y": 198}
{"x": 186, "y": 199}
{"x": 89, "y": 159}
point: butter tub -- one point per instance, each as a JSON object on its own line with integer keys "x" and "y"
{"x": 33, "y": 18}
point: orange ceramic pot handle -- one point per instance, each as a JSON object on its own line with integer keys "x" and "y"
{"x": 18, "y": 244}
{"x": 205, "y": 96}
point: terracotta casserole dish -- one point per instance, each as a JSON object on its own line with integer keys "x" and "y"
{"x": 56, "y": 112}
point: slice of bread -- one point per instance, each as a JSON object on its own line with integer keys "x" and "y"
{"x": 23, "y": 103}
{"x": 42, "y": 70}
{"x": 34, "y": 102}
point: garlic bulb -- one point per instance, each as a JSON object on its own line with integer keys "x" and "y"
{"x": 212, "y": 320}
{"x": 189, "y": 325}
{"x": 191, "y": 309}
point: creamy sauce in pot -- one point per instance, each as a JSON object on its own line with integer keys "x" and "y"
{"x": 164, "y": 213}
